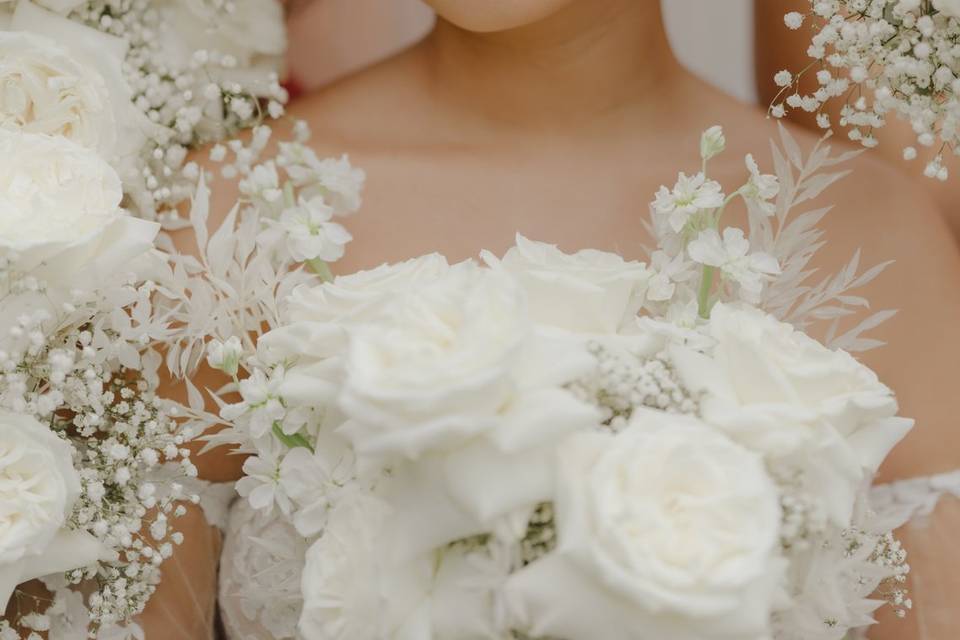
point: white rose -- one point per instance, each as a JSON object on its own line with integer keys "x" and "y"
{"x": 314, "y": 336}
{"x": 781, "y": 393}
{"x": 464, "y": 398}
{"x": 59, "y": 213}
{"x": 361, "y": 295}
{"x": 950, "y": 8}
{"x": 62, "y": 77}
{"x": 665, "y": 530}
{"x": 46, "y": 91}
{"x": 589, "y": 291}
{"x": 436, "y": 368}
{"x": 38, "y": 486}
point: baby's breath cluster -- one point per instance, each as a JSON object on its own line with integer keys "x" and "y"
{"x": 63, "y": 367}
{"x": 882, "y": 58}
{"x": 627, "y": 379}
{"x": 193, "y": 87}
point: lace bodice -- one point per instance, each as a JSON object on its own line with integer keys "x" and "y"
{"x": 915, "y": 499}
{"x": 262, "y": 560}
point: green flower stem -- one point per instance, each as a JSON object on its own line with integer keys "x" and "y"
{"x": 703, "y": 299}
{"x": 288, "y": 195}
{"x": 292, "y": 440}
{"x": 320, "y": 268}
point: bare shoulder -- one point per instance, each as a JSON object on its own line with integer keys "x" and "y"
{"x": 887, "y": 215}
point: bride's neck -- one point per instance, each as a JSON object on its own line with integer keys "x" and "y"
{"x": 594, "y": 58}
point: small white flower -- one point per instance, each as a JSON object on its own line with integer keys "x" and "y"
{"x": 667, "y": 272}
{"x": 225, "y": 356}
{"x": 732, "y": 256}
{"x": 262, "y": 182}
{"x": 783, "y": 78}
{"x": 689, "y": 196}
{"x": 712, "y": 142}
{"x": 334, "y": 179}
{"x": 823, "y": 120}
{"x": 310, "y": 232}
{"x": 261, "y": 400}
{"x": 260, "y": 484}
{"x": 760, "y": 188}
{"x": 793, "y": 20}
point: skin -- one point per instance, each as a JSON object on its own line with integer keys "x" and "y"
{"x": 559, "y": 120}
{"x": 786, "y": 49}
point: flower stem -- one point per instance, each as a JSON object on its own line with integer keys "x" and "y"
{"x": 320, "y": 268}
{"x": 291, "y": 440}
{"x": 703, "y": 298}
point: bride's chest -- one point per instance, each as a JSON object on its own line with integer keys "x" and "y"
{"x": 458, "y": 204}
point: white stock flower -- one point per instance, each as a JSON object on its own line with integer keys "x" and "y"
{"x": 225, "y": 356}
{"x": 712, "y": 142}
{"x": 691, "y": 195}
{"x": 667, "y": 529}
{"x": 310, "y": 234}
{"x": 62, "y": 77}
{"x": 335, "y": 179}
{"x": 60, "y": 212}
{"x": 315, "y": 481}
{"x": 732, "y": 256}
{"x": 761, "y": 188}
{"x": 588, "y": 291}
{"x": 38, "y": 486}
{"x": 783, "y": 394}
{"x": 667, "y": 273}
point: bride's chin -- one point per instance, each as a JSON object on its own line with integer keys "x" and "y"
{"x": 486, "y": 16}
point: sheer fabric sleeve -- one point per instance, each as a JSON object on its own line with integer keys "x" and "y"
{"x": 931, "y": 509}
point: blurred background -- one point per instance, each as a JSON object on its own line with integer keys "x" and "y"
{"x": 331, "y": 38}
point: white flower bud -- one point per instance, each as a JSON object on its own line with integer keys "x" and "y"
{"x": 712, "y": 142}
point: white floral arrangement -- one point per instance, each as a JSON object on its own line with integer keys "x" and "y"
{"x": 882, "y": 57}
{"x": 547, "y": 445}
{"x": 100, "y": 102}
{"x": 141, "y": 81}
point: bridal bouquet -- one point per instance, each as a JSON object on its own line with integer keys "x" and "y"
{"x": 100, "y": 102}
{"x": 882, "y": 57}
{"x": 547, "y": 445}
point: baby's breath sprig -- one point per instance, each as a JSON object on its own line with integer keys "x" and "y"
{"x": 882, "y": 58}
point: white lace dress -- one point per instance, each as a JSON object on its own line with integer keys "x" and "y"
{"x": 262, "y": 560}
